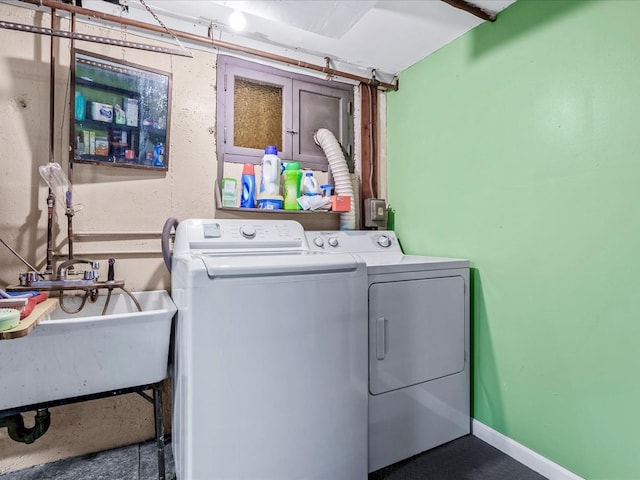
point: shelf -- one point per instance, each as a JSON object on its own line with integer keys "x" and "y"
{"x": 29, "y": 322}
{"x": 107, "y": 88}
{"x": 89, "y": 124}
{"x": 262, "y": 211}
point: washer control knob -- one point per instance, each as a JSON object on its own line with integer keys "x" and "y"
{"x": 332, "y": 241}
{"x": 384, "y": 241}
{"x": 318, "y": 241}
{"x": 248, "y": 231}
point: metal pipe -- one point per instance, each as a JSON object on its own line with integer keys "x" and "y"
{"x": 51, "y": 200}
{"x": 20, "y": 257}
{"x": 54, "y": 4}
{"x": 472, "y": 9}
{"x": 117, "y": 234}
{"x": 68, "y": 200}
{"x": 114, "y": 253}
{"x": 52, "y": 86}
{"x": 19, "y": 433}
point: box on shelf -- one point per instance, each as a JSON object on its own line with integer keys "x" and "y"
{"x": 131, "y": 111}
{"x": 102, "y": 146}
{"x": 229, "y": 188}
{"x": 101, "y": 112}
{"x": 86, "y": 134}
{"x": 92, "y": 142}
{"x": 119, "y": 117}
{"x": 340, "y": 203}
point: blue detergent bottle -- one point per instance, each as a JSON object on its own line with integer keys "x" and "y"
{"x": 80, "y": 107}
{"x": 248, "y": 198}
{"x": 158, "y": 155}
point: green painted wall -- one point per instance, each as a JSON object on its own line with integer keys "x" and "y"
{"x": 518, "y": 146}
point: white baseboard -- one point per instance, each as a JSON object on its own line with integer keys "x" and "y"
{"x": 522, "y": 454}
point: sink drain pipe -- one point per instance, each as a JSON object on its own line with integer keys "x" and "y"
{"x": 19, "y": 433}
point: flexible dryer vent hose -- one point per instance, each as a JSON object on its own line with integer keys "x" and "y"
{"x": 340, "y": 171}
{"x": 169, "y": 224}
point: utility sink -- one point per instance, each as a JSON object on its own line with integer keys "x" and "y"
{"x": 69, "y": 355}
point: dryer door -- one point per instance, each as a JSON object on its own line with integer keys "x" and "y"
{"x": 416, "y": 331}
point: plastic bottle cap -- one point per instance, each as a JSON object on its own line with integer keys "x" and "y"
{"x": 248, "y": 169}
{"x": 292, "y": 166}
{"x": 271, "y": 150}
{"x": 309, "y": 174}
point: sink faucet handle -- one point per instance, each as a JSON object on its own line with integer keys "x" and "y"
{"x": 90, "y": 275}
{"x": 111, "y": 273}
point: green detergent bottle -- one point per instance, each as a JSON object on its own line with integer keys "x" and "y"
{"x": 292, "y": 177}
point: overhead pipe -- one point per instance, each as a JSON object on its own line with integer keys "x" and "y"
{"x": 472, "y": 9}
{"x": 55, "y": 4}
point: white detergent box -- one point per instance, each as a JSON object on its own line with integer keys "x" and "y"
{"x": 229, "y": 188}
{"x": 101, "y": 112}
{"x": 131, "y": 111}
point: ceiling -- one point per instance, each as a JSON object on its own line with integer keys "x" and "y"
{"x": 357, "y": 35}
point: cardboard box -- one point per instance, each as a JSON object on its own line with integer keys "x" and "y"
{"x": 87, "y": 141}
{"x": 340, "y": 203}
{"x": 131, "y": 111}
{"x": 101, "y": 112}
{"x": 102, "y": 146}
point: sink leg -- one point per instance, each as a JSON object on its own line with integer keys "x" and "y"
{"x": 157, "y": 414}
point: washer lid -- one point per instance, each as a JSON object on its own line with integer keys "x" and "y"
{"x": 280, "y": 263}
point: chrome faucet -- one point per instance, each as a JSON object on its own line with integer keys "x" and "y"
{"x": 61, "y": 273}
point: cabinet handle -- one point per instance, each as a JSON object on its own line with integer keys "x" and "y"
{"x": 380, "y": 338}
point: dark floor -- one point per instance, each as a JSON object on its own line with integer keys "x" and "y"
{"x": 467, "y": 458}
{"x": 133, "y": 462}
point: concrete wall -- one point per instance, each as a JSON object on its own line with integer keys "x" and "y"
{"x": 115, "y": 200}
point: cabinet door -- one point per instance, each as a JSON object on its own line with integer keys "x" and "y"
{"x": 416, "y": 331}
{"x": 314, "y": 107}
{"x": 255, "y": 114}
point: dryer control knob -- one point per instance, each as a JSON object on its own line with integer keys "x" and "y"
{"x": 333, "y": 241}
{"x": 384, "y": 241}
{"x": 248, "y": 231}
{"x": 318, "y": 241}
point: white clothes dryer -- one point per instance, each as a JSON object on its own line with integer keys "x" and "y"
{"x": 270, "y": 374}
{"x": 418, "y": 334}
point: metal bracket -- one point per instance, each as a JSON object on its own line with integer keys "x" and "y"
{"x": 327, "y": 68}
{"x": 91, "y": 38}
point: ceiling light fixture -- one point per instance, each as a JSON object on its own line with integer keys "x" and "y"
{"x": 237, "y": 21}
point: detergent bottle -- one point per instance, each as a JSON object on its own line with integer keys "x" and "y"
{"x": 309, "y": 184}
{"x": 292, "y": 176}
{"x": 248, "y": 180}
{"x": 270, "y": 182}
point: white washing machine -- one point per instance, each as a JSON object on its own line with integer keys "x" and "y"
{"x": 270, "y": 374}
{"x": 418, "y": 320}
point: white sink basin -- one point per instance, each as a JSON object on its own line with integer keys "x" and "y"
{"x": 68, "y": 355}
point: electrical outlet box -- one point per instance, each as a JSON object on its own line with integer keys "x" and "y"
{"x": 375, "y": 212}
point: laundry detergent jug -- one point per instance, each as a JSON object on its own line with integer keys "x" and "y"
{"x": 271, "y": 169}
